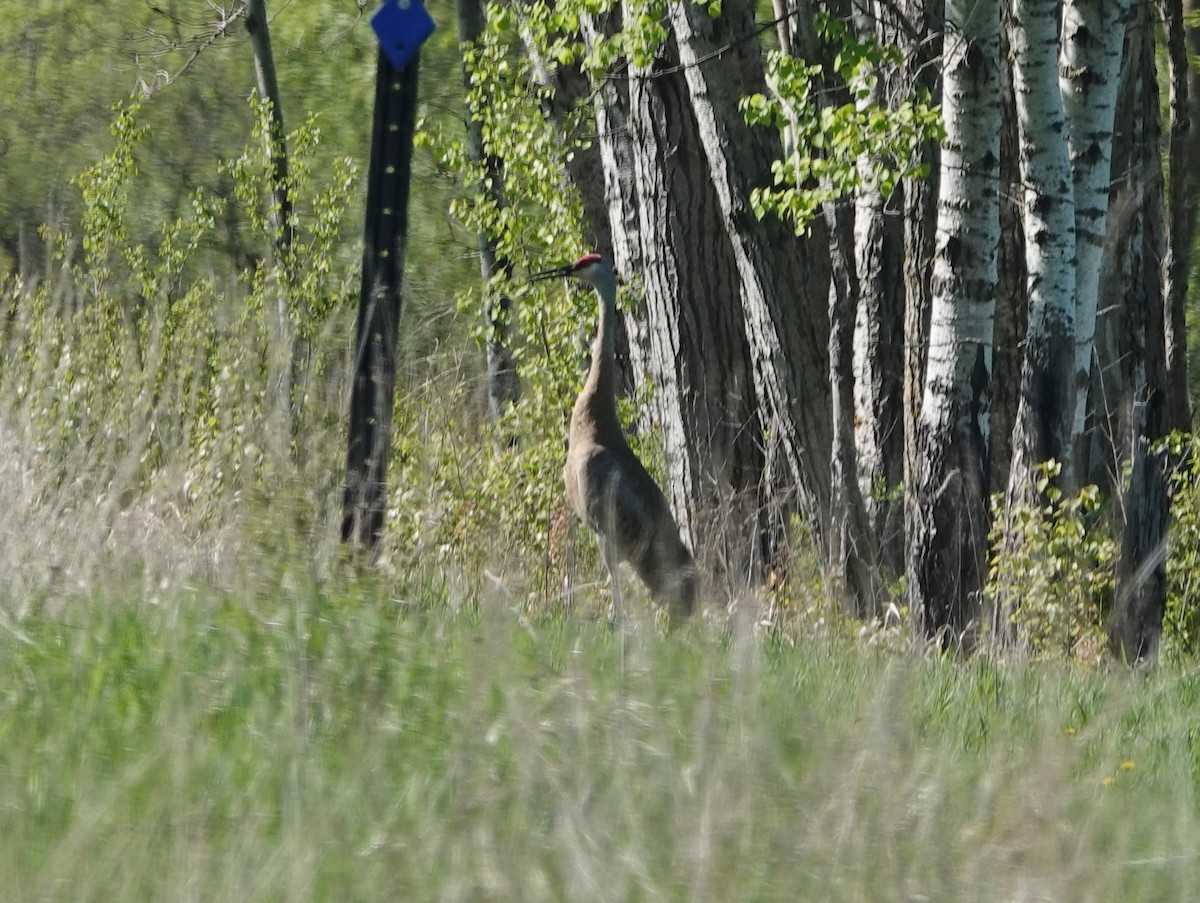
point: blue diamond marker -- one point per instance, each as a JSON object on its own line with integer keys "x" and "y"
{"x": 402, "y": 27}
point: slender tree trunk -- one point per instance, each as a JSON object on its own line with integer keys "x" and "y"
{"x": 922, "y": 47}
{"x": 1089, "y": 69}
{"x": 879, "y": 371}
{"x": 1183, "y": 189}
{"x": 1012, "y": 303}
{"x": 852, "y": 541}
{"x": 288, "y": 354}
{"x": 879, "y": 327}
{"x": 1046, "y": 411}
{"x": 948, "y": 540}
{"x": 1136, "y": 626}
{"x": 503, "y": 386}
{"x": 268, "y": 89}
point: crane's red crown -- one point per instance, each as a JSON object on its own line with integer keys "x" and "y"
{"x": 571, "y": 269}
{"x": 585, "y": 261}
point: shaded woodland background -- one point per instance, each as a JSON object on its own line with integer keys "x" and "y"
{"x": 767, "y": 179}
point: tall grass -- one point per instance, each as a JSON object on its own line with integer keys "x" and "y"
{"x": 287, "y": 737}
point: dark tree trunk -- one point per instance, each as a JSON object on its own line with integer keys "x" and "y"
{"x": 1130, "y": 344}
{"x": 695, "y": 351}
{"x": 1183, "y": 189}
{"x": 1134, "y": 364}
{"x": 268, "y": 89}
{"x": 852, "y": 539}
{"x": 879, "y": 370}
{"x": 1012, "y": 301}
{"x": 783, "y": 278}
{"x": 288, "y": 354}
{"x": 1136, "y": 627}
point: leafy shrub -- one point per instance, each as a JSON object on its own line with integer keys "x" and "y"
{"x": 836, "y": 148}
{"x": 1053, "y": 569}
{"x": 493, "y": 491}
{"x": 1181, "y": 623}
{"x": 139, "y": 370}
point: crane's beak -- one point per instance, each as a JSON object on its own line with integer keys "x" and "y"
{"x": 555, "y": 273}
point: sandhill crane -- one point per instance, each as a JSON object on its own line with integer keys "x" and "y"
{"x": 606, "y": 484}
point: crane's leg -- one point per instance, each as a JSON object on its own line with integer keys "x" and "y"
{"x": 614, "y": 573}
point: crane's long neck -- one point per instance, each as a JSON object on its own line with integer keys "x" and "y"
{"x": 597, "y": 396}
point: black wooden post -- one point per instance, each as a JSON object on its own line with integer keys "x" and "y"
{"x": 379, "y": 303}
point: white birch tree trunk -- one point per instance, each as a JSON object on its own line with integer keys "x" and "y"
{"x": 879, "y": 326}
{"x": 921, "y": 43}
{"x": 947, "y": 539}
{"x": 1046, "y": 410}
{"x": 1089, "y": 71}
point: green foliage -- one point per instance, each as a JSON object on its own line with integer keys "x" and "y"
{"x": 1181, "y": 623}
{"x": 63, "y": 64}
{"x": 498, "y": 485}
{"x": 837, "y": 148}
{"x": 147, "y": 363}
{"x": 555, "y": 30}
{"x": 1053, "y": 569}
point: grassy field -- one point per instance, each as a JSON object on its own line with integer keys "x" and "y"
{"x": 277, "y": 735}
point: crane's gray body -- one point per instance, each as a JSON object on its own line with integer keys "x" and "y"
{"x": 607, "y": 485}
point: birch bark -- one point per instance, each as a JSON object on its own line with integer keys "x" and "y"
{"x": 879, "y": 324}
{"x": 948, "y": 534}
{"x": 1093, "y": 33}
{"x": 1046, "y": 410}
